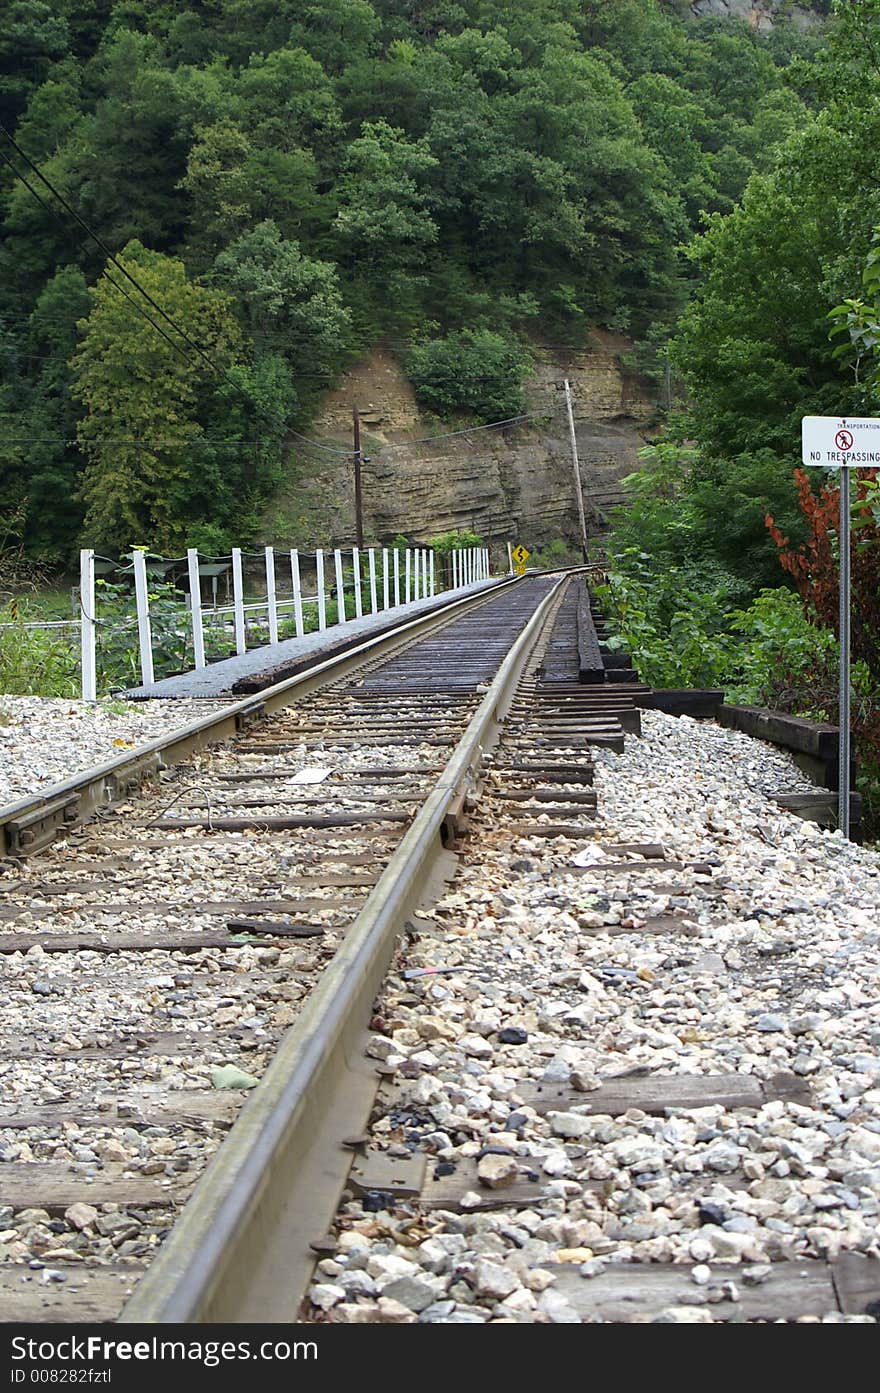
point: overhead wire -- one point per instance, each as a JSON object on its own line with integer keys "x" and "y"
{"x": 196, "y": 347}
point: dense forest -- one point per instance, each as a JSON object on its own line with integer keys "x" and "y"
{"x": 725, "y": 566}
{"x": 208, "y": 211}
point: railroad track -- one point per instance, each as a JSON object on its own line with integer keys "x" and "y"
{"x": 171, "y": 929}
{"x": 233, "y": 923}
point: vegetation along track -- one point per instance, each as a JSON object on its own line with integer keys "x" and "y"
{"x": 173, "y": 932}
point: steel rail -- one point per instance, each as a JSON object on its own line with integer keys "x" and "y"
{"x": 240, "y": 1250}
{"x": 32, "y": 823}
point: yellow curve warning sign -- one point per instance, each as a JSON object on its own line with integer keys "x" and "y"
{"x": 520, "y": 557}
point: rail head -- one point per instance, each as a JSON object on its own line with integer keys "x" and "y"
{"x": 32, "y": 823}
{"x": 239, "y": 1250}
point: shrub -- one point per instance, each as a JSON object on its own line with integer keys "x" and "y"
{"x": 474, "y": 372}
{"x": 36, "y": 662}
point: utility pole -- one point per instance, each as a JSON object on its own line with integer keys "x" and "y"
{"x": 577, "y": 471}
{"x": 358, "y": 494}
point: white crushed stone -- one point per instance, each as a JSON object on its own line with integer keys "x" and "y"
{"x": 775, "y": 968}
{"x": 44, "y": 740}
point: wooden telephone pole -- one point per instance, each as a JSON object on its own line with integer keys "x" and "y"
{"x": 577, "y": 471}
{"x": 358, "y": 492}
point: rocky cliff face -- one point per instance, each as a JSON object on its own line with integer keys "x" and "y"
{"x": 511, "y": 483}
{"x": 760, "y": 14}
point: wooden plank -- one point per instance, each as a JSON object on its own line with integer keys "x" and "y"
{"x": 184, "y": 1108}
{"x": 703, "y": 702}
{"x": 790, "y": 1088}
{"x": 652, "y": 850}
{"x": 653, "y": 1094}
{"x": 619, "y": 867}
{"x": 574, "y": 831}
{"x": 817, "y": 738}
{"x": 590, "y": 666}
{"x": 448, "y": 1191}
{"x": 626, "y": 1292}
{"x": 278, "y": 824}
{"x": 818, "y": 807}
{"x": 544, "y": 795}
{"x": 657, "y": 924}
{"x": 89, "y": 1295}
{"x": 558, "y": 774}
{"x": 115, "y": 942}
{"x": 171, "y": 1043}
{"x": 209, "y": 908}
{"x": 403, "y": 1177}
{"x": 857, "y": 1283}
{"x": 276, "y": 930}
{"x": 54, "y": 1185}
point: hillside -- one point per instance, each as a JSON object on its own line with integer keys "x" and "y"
{"x": 210, "y": 215}
{"x": 500, "y": 483}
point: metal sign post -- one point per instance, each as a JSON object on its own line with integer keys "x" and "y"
{"x": 844, "y": 700}
{"x": 844, "y": 443}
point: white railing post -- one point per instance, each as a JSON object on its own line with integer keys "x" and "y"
{"x": 319, "y": 586}
{"x": 238, "y": 601}
{"x": 386, "y": 580}
{"x": 455, "y": 570}
{"x": 340, "y": 588}
{"x": 142, "y": 600}
{"x": 509, "y": 559}
{"x": 374, "y": 599}
{"x": 356, "y": 571}
{"x": 271, "y": 598}
{"x": 396, "y": 576}
{"x": 416, "y": 574}
{"x": 431, "y": 573}
{"x": 297, "y": 593}
{"x": 195, "y": 606}
{"x": 87, "y": 625}
{"x": 408, "y": 564}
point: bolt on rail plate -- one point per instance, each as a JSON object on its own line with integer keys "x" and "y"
{"x": 33, "y": 831}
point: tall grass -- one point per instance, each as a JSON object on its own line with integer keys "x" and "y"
{"x": 36, "y": 662}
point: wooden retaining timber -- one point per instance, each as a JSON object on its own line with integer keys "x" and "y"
{"x": 701, "y": 703}
{"x": 591, "y": 668}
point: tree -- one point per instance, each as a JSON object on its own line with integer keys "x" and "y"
{"x": 143, "y": 402}
{"x": 473, "y": 371}
{"x": 384, "y": 225}
{"x": 32, "y": 38}
{"x": 290, "y": 302}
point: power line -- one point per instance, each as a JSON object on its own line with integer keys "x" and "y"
{"x": 120, "y": 288}
{"x": 220, "y": 372}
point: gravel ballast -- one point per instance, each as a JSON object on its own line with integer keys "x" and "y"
{"x": 44, "y": 740}
{"x": 771, "y": 965}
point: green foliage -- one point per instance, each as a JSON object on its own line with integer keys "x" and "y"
{"x": 766, "y": 653}
{"x": 451, "y": 173}
{"x": 454, "y": 541}
{"x": 555, "y": 553}
{"x": 36, "y": 662}
{"x": 706, "y": 516}
{"x": 141, "y": 430}
{"x": 474, "y": 371}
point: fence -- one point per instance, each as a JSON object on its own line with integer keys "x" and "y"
{"x": 317, "y": 595}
